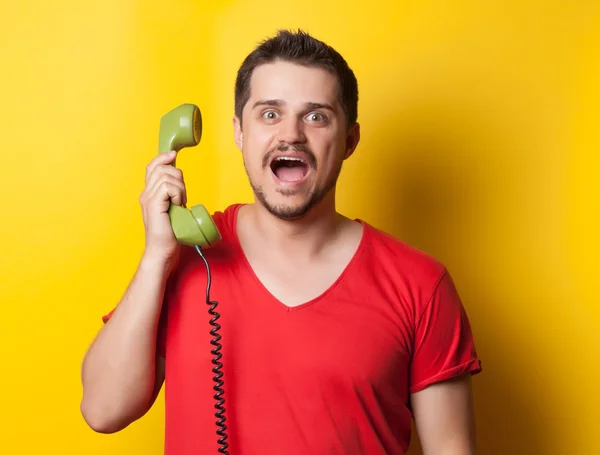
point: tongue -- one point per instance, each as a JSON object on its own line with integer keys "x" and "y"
{"x": 290, "y": 174}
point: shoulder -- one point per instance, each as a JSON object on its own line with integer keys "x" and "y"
{"x": 402, "y": 259}
{"x": 225, "y": 220}
{"x": 409, "y": 278}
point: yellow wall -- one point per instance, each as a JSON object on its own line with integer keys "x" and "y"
{"x": 480, "y": 145}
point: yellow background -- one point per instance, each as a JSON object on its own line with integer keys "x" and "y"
{"x": 480, "y": 145}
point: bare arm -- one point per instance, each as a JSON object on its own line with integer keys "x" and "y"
{"x": 444, "y": 417}
{"x": 121, "y": 372}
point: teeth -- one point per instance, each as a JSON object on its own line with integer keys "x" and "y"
{"x": 288, "y": 158}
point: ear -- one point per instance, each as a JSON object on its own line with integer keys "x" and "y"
{"x": 352, "y": 140}
{"x": 238, "y": 135}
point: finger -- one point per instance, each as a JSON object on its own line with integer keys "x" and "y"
{"x": 161, "y": 158}
{"x": 169, "y": 175}
{"x": 157, "y": 191}
{"x": 167, "y": 190}
{"x": 163, "y": 169}
{"x": 152, "y": 190}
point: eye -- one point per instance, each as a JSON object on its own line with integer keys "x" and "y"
{"x": 316, "y": 117}
{"x": 270, "y": 115}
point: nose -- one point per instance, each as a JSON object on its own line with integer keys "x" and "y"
{"x": 291, "y": 131}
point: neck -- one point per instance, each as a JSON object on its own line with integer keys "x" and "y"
{"x": 305, "y": 237}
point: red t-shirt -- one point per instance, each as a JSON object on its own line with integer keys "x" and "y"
{"x": 331, "y": 376}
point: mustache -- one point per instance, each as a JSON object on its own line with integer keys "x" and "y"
{"x": 310, "y": 157}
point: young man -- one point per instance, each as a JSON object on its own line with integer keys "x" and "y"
{"x": 334, "y": 334}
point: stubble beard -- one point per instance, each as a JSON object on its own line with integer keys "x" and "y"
{"x": 295, "y": 212}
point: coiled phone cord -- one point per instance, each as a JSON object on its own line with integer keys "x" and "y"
{"x": 218, "y": 387}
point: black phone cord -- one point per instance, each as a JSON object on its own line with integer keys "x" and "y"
{"x": 218, "y": 387}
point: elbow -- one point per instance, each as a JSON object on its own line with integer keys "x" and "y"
{"x": 101, "y": 419}
{"x": 102, "y": 427}
{"x": 109, "y": 407}
{"x": 97, "y": 420}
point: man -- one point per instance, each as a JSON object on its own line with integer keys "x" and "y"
{"x": 334, "y": 334}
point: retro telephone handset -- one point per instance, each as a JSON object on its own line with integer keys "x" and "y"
{"x": 182, "y": 127}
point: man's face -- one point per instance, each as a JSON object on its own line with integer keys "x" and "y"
{"x": 294, "y": 137}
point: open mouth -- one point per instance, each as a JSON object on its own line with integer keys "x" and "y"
{"x": 289, "y": 168}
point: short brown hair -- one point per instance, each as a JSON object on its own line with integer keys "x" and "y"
{"x": 299, "y": 47}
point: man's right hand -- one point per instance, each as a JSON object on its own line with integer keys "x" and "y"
{"x": 164, "y": 184}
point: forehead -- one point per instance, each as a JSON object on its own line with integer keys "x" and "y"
{"x": 293, "y": 83}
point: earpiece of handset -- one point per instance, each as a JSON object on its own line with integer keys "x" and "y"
{"x": 182, "y": 127}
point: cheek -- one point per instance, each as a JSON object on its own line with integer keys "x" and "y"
{"x": 256, "y": 144}
{"x": 258, "y": 139}
{"x": 332, "y": 152}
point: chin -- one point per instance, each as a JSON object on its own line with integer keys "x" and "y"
{"x": 289, "y": 204}
{"x": 285, "y": 207}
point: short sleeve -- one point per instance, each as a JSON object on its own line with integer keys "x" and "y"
{"x": 444, "y": 347}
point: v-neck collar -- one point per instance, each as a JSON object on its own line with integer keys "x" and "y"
{"x": 330, "y": 289}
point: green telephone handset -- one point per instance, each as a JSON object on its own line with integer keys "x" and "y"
{"x": 182, "y": 127}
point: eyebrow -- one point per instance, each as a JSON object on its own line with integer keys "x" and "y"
{"x": 309, "y": 105}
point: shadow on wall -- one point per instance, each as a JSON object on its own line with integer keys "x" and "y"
{"x": 439, "y": 187}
